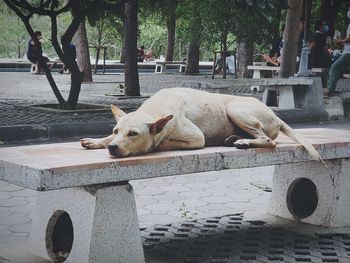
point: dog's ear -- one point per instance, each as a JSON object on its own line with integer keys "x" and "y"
{"x": 158, "y": 126}
{"x": 117, "y": 112}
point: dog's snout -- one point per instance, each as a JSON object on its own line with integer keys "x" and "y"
{"x": 112, "y": 148}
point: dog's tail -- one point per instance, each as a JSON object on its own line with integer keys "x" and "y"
{"x": 288, "y": 131}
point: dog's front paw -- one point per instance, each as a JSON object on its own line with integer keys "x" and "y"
{"x": 242, "y": 144}
{"x": 89, "y": 143}
{"x": 230, "y": 141}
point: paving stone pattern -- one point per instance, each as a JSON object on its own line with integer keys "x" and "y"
{"x": 20, "y": 90}
{"x": 232, "y": 238}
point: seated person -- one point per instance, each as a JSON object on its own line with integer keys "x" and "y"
{"x": 319, "y": 53}
{"x": 274, "y": 56}
{"x": 140, "y": 54}
{"x": 33, "y": 51}
{"x": 148, "y": 55}
{"x": 72, "y": 53}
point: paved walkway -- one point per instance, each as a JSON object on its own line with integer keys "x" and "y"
{"x": 160, "y": 200}
{"x": 20, "y": 90}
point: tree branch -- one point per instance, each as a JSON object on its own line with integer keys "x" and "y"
{"x": 64, "y": 9}
{"x": 13, "y": 6}
{"x": 44, "y": 3}
{"x": 54, "y": 39}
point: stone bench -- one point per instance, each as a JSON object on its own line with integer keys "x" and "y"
{"x": 35, "y": 69}
{"x": 294, "y": 92}
{"x": 86, "y": 208}
{"x": 161, "y": 66}
{"x": 287, "y": 89}
{"x": 257, "y": 68}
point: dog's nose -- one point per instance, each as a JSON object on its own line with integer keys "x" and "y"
{"x": 113, "y": 149}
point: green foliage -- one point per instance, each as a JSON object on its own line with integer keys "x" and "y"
{"x": 110, "y": 29}
{"x": 205, "y": 20}
{"x": 187, "y": 214}
{"x": 152, "y": 34}
{"x": 14, "y": 39}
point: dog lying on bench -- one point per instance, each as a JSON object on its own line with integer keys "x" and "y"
{"x": 183, "y": 118}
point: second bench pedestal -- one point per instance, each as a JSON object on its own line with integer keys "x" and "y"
{"x": 312, "y": 193}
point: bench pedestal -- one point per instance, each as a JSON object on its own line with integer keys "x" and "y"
{"x": 160, "y": 68}
{"x": 87, "y": 224}
{"x": 34, "y": 68}
{"x": 311, "y": 193}
{"x": 295, "y": 96}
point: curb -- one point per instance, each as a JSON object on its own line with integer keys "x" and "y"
{"x": 51, "y": 131}
{"x": 302, "y": 115}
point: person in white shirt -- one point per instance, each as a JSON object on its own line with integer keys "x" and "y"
{"x": 339, "y": 67}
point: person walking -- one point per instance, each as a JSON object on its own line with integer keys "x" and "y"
{"x": 339, "y": 67}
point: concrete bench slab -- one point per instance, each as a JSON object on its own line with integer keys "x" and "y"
{"x": 64, "y": 165}
{"x": 267, "y": 68}
{"x": 257, "y": 73}
{"x": 161, "y": 66}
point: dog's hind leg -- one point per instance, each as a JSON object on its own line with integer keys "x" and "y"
{"x": 188, "y": 136}
{"x": 246, "y": 121}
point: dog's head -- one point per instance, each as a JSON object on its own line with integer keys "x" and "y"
{"x": 134, "y": 133}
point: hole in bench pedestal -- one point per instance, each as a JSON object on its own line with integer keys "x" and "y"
{"x": 302, "y": 198}
{"x": 59, "y": 236}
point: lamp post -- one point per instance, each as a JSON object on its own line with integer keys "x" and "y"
{"x": 304, "y": 57}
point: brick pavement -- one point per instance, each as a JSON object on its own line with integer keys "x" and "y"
{"x": 20, "y": 90}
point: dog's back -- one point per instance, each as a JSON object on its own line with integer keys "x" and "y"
{"x": 206, "y": 110}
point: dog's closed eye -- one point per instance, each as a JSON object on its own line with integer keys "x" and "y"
{"x": 132, "y": 133}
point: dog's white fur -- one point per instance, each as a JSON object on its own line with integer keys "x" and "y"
{"x": 183, "y": 118}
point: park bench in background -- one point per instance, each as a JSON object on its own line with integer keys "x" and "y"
{"x": 257, "y": 68}
{"x": 86, "y": 208}
{"x": 288, "y": 92}
{"x": 293, "y": 92}
{"x": 34, "y": 67}
{"x": 161, "y": 66}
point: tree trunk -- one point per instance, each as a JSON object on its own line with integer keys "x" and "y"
{"x": 99, "y": 42}
{"x": 19, "y": 55}
{"x": 192, "y": 66}
{"x": 83, "y": 54}
{"x": 224, "y": 54}
{"x": 171, "y": 25}
{"x": 132, "y": 85}
{"x": 122, "y": 34}
{"x": 291, "y": 38}
{"x": 244, "y": 58}
{"x": 98, "y": 49}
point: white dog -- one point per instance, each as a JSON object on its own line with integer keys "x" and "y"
{"x": 183, "y": 118}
